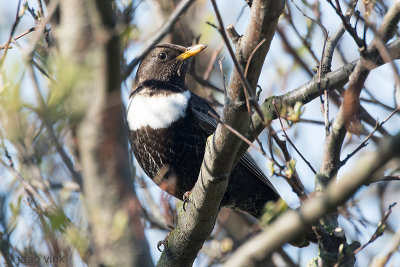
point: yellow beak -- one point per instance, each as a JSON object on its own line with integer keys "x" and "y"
{"x": 192, "y": 51}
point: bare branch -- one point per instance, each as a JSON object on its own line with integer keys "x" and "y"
{"x": 293, "y": 222}
{"x": 196, "y": 224}
{"x": 240, "y": 136}
{"x": 246, "y": 85}
{"x": 334, "y": 40}
{"x": 309, "y": 91}
{"x": 379, "y": 231}
{"x": 19, "y": 36}
{"x": 290, "y": 141}
{"x": 352, "y": 31}
{"x": 52, "y": 7}
{"x": 364, "y": 142}
{"x": 329, "y": 248}
{"x": 76, "y": 176}
{"x": 394, "y": 247}
{"x": 294, "y": 181}
{"x": 14, "y": 27}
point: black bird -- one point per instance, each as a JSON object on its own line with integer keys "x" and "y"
{"x": 169, "y": 129}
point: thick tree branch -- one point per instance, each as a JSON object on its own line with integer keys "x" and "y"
{"x": 196, "y": 224}
{"x": 351, "y": 101}
{"x": 364, "y": 115}
{"x": 88, "y": 31}
{"x": 293, "y": 222}
{"x": 329, "y": 244}
{"x": 309, "y": 91}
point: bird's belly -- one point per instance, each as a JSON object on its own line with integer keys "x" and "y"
{"x": 171, "y": 156}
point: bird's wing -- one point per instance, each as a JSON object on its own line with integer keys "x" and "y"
{"x": 201, "y": 110}
{"x": 208, "y": 123}
{"x": 248, "y": 161}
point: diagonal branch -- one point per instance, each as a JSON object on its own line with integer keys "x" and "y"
{"x": 248, "y": 91}
{"x": 291, "y": 223}
{"x": 197, "y": 222}
{"x": 346, "y": 23}
{"x": 309, "y": 91}
{"x": 329, "y": 247}
{"x": 10, "y": 37}
{"x": 379, "y": 231}
{"x": 291, "y": 143}
{"x": 365, "y": 141}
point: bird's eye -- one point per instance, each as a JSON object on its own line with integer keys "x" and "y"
{"x": 162, "y": 56}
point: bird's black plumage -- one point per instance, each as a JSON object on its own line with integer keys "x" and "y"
{"x": 169, "y": 130}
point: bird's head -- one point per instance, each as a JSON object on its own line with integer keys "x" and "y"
{"x": 166, "y": 63}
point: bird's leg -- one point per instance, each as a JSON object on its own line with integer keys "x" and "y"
{"x": 186, "y": 199}
{"x": 164, "y": 242}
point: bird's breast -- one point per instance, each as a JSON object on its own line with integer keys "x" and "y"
{"x": 157, "y": 110}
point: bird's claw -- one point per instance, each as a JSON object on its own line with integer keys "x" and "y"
{"x": 186, "y": 199}
{"x": 164, "y": 242}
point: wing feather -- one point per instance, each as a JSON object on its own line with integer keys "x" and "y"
{"x": 201, "y": 109}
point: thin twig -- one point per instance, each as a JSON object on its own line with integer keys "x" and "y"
{"x": 41, "y": 8}
{"x": 390, "y": 178}
{"x": 325, "y": 101}
{"x": 311, "y": 121}
{"x": 19, "y": 36}
{"x": 324, "y": 104}
{"x": 294, "y": 182}
{"x": 364, "y": 142}
{"x": 52, "y": 7}
{"x": 270, "y": 147}
{"x": 386, "y": 178}
{"x": 379, "y": 231}
{"x": 246, "y": 93}
{"x": 394, "y": 247}
{"x": 17, "y": 19}
{"x": 245, "y": 82}
{"x": 36, "y": 65}
{"x": 217, "y": 51}
{"x": 290, "y": 141}
{"x": 42, "y": 103}
{"x": 27, "y": 186}
{"x": 211, "y": 62}
{"x": 222, "y": 73}
{"x": 46, "y": 31}
{"x": 240, "y": 135}
{"x": 375, "y": 101}
{"x": 252, "y": 54}
{"x": 352, "y": 31}
{"x": 31, "y": 11}
{"x": 245, "y": 75}
{"x": 304, "y": 40}
{"x": 204, "y": 82}
{"x": 43, "y": 71}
